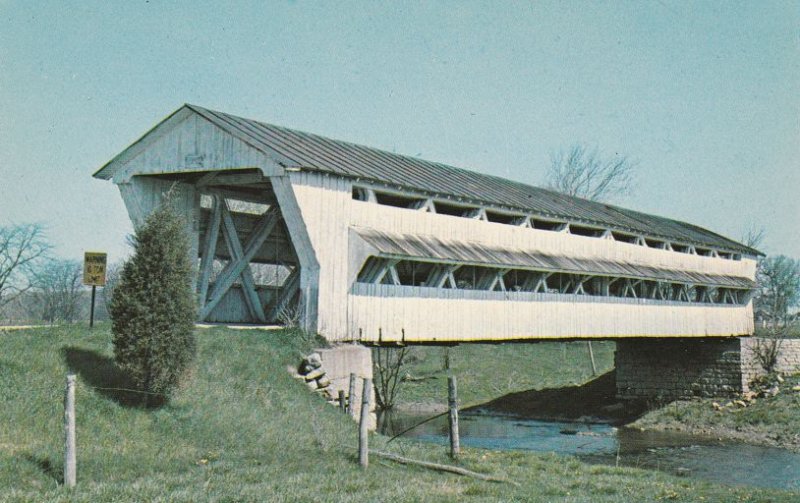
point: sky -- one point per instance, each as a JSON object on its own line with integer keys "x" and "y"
{"x": 703, "y": 96}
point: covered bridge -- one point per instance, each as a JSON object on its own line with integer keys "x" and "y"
{"x": 364, "y": 245}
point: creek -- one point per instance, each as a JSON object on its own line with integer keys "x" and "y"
{"x": 702, "y": 457}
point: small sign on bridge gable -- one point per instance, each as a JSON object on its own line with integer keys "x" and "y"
{"x": 94, "y": 269}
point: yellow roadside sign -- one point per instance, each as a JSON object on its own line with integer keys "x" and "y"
{"x": 94, "y": 269}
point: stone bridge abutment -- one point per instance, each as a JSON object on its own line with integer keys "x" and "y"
{"x": 685, "y": 368}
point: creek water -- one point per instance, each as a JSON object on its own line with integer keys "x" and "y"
{"x": 707, "y": 458}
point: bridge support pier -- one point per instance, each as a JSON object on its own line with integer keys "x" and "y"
{"x": 339, "y": 362}
{"x": 684, "y": 368}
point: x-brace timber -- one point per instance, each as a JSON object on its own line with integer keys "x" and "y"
{"x": 240, "y": 260}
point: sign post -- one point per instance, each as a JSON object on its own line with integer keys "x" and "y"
{"x": 94, "y": 275}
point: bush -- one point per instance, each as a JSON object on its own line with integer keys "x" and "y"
{"x": 153, "y": 307}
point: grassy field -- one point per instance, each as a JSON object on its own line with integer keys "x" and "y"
{"x": 241, "y": 429}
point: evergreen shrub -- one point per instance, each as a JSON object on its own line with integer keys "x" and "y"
{"x": 153, "y": 308}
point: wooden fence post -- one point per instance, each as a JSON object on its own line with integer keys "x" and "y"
{"x": 70, "y": 470}
{"x": 351, "y": 407}
{"x": 591, "y": 357}
{"x": 363, "y": 425}
{"x": 342, "y": 401}
{"x": 452, "y": 393}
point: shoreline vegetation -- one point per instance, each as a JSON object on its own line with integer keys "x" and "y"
{"x": 240, "y": 428}
{"x": 772, "y": 420}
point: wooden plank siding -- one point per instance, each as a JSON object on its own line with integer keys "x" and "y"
{"x": 325, "y": 202}
{"x": 192, "y": 145}
{"x": 426, "y": 315}
{"x": 142, "y": 195}
{"x": 348, "y": 311}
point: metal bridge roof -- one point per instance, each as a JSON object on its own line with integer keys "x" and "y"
{"x": 305, "y": 151}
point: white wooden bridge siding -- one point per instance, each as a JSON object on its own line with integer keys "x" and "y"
{"x": 325, "y": 203}
{"x": 329, "y": 212}
{"x": 142, "y": 195}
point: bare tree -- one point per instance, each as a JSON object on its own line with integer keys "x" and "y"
{"x": 386, "y": 366}
{"x": 778, "y": 280}
{"x": 753, "y": 236}
{"x": 23, "y": 247}
{"x": 779, "y": 285}
{"x": 58, "y": 291}
{"x": 583, "y": 172}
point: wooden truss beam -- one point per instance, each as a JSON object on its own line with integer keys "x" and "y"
{"x": 206, "y": 179}
{"x": 235, "y": 251}
{"x": 424, "y": 205}
{"x": 372, "y": 269}
{"x": 209, "y": 251}
{"x": 393, "y": 274}
{"x": 259, "y": 197}
{"x": 441, "y": 275}
{"x": 579, "y": 282}
{"x": 388, "y": 267}
{"x": 240, "y": 260}
{"x": 536, "y": 282}
{"x": 476, "y": 213}
{"x": 523, "y": 222}
{"x": 492, "y": 279}
{"x": 236, "y": 179}
{"x": 288, "y": 292}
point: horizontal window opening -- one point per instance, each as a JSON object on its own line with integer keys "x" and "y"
{"x": 502, "y": 218}
{"x": 360, "y": 194}
{"x": 413, "y": 273}
{"x": 680, "y": 248}
{"x": 625, "y": 238}
{"x": 586, "y": 231}
{"x": 398, "y": 201}
{"x": 548, "y": 225}
{"x": 383, "y": 271}
{"x": 454, "y": 209}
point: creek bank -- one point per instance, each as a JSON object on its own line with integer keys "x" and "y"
{"x": 767, "y": 415}
{"x": 747, "y": 434}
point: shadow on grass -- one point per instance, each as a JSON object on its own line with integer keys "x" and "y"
{"x": 103, "y": 374}
{"x": 595, "y": 400}
{"x": 46, "y": 466}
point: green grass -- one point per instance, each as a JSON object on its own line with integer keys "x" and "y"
{"x": 488, "y": 371}
{"x": 241, "y": 429}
